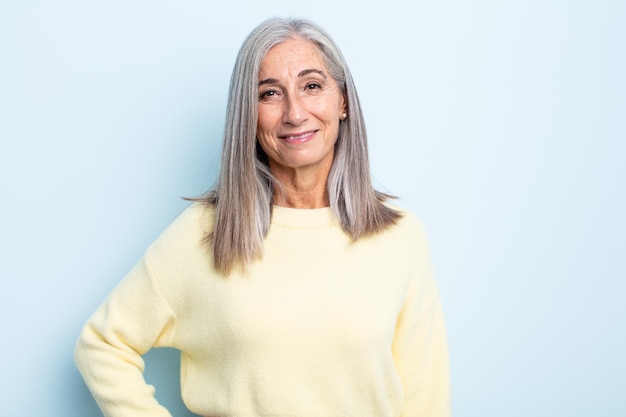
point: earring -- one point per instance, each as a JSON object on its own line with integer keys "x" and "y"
{"x": 344, "y": 115}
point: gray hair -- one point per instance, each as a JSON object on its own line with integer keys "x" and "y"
{"x": 245, "y": 188}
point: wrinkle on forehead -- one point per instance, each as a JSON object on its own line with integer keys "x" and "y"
{"x": 294, "y": 57}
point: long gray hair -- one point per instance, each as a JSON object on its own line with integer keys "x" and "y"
{"x": 245, "y": 188}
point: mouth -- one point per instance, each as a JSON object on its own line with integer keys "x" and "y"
{"x": 299, "y": 137}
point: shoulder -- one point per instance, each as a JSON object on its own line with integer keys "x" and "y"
{"x": 197, "y": 218}
{"x": 181, "y": 254}
{"x": 189, "y": 229}
{"x": 409, "y": 237}
{"x": 404, "y": 242}
{"x": 409, "y": 226}
{"x": 411, "y": 231}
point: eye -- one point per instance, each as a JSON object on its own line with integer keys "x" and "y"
{"x": 268, "y": 94}
{"x": 313, "y": 86}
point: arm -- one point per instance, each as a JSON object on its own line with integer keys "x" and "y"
{"x": 134, "y": 318}
{"x": 420, "y": 347}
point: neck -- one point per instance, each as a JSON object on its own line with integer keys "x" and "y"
{"x": 302, "y": 189}
{"x": 300, "y": 199}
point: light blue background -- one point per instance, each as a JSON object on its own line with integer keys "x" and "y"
{"x": 501, "y": 124}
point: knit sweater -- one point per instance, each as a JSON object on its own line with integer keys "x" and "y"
{"x": 320, "y": 326}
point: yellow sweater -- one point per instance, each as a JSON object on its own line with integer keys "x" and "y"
{"x": 320, "y": 327}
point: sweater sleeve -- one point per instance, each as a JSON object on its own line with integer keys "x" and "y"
{"x": 134, "y": 318}
{"x": 420, "y": 346}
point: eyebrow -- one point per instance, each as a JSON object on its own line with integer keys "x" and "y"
{"x": 306, "y": 72}
{"x": 268, "y": 81}
{"x": 302, "y": 73}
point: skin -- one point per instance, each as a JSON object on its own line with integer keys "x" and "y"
{"x": 300, "y": 108}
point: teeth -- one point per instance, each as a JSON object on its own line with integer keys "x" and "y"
{"x": 302, "y": 136}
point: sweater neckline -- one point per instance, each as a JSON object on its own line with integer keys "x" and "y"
{"x": 295, "y": 217}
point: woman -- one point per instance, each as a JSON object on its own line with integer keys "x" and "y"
{"x": 293, "y": 288}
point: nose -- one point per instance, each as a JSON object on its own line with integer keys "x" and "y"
{"x": 294, "y": 111}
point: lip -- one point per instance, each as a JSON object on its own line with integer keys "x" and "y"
{"x": 298, "y": 137}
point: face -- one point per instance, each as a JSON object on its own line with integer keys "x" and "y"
{"x": 300, "y": 107}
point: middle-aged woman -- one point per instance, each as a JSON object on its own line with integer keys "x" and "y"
{"x": 293, "y": 289}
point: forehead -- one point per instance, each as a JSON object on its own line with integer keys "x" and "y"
{"x": 292, "y": 55}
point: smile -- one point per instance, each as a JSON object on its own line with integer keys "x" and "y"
{"x": 298, "y": 137}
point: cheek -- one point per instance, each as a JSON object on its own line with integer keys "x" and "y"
{"x": 264, "y": 129}
{"x": 333, "y": 109}
{"x": 268, "y": 146}
{"x": 266, "y": 119}
{"x": 261, "y": 122}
